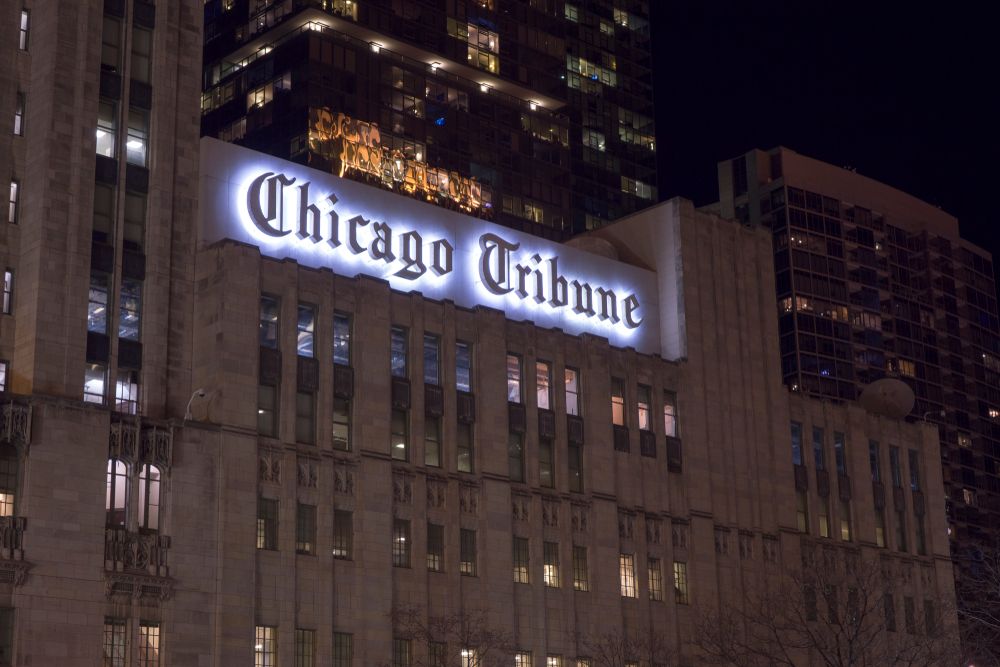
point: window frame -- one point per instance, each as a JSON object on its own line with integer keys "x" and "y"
{"x": 399, "y": 356}
{"x": 543, "y": 384}
{"x": 515, "y": 378}
{"x": 572, "y": 396}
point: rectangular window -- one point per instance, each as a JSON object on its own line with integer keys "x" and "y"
{"x": 467, "y": 563}
{"x": 796, "y": 443}
{"x": 267, "y": 410}
{"x": 22, "y": 35}
{"x": 149, "y": 644}
{"x": 522, "y": 572}
{"x": 401, "y": 653}
{"x": 265, "y": 646}
{"x": 94, "y": 378}
{"x": 342, "y": 339}
{"x": 343, "y": 649}
{"x": 839, "y": 453}
{"x": 546, "y": 463}
{"x": 107, "y": 128}
{"x": 824, "y": 517}
{"x": 432, "y": 441}
{"x": 910, "y": 615}
{"x": 574, "y": 463}
{"x": 104, "y": 212}
{"x": 12, "y": 204}
{"x": 572, "y": 380}
{"x": 670, "y": 414}
{"x": 873, "y": 461}
{"x": 543, "y": 384}
{"x": 463, "y": 366}
{"x": 305, "y": 417}
{"x": 681, "y": 583}
{"x": 19, "y": 114}
{"x": 918, "y": 525}
{"x": 142, "y": 45}
{"x": 889, "y": 612}
{"x": 617, "y": 401}
{"x": 914, "y": 461}
{"x": 127, "y": 391}
{"x": 267, "y": 524}
{"x": 398, "y": 349}
{"x": 901, "y": 530}
{"x": 802, "y": 511}
{"x": 515, "y": 456}
{"x": 343, "y": 534}
{"x": 341, "y": 434}
{"x": 845, "y": 521}
{"x": 111, "y": 39}
{"x": 399, "y": 435}
{"x": 8, "y": 291}
{"x": 432, "y": 359}
{"x": 4, "y": 370}
{"x": 464, "y": 453}
{"x": 553, "y": 661}
{"x": 437, "y": 654}
{"x": 129, "y": 310}
{"x": 305, "y": 529}
{"x": 469, "y": 657}
{"x": 435, "y": 547}
{"x": 135, "y": 220}
{"x": 895, "y": 467}
{"x": 8, "y": 485}
{"x": 305, "y": 329}
{"x": 819, "y": 452}
{"x": 400, "y": 543}
{"x": 550, "y": 571}
{"x": 513, "y": 378}
{"x": 97, "y": 304}
{"x": 880, "y": 528}
{"x": 522, "y": 659}
{"x": 269, "y": 312}
{"x": 626, "y": 573}
{"x": 581, "y": 575}
{"x": 115, "y": 642}
{"x": 305, "y": 648}
{"x": 642, "y": 405}
{"x": 137, "y": 142}
{"x": 655, "y": 579}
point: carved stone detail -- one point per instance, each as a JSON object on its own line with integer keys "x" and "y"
{"x": 148, "y": 588}
{"x": 269, "y": 466}
{"x": 653, "y": 529}
{"x": 343, "y": 478}
{"x": 131, "y": 441}
{"x": 679, "y": 534}
{"x": 579, "y": 516}
{"x": 626, "y": 525}
{"x": 436, "y": 494}
{"x": 402, "y": 488}
{"x": 15, "y": 424}
{"x": 469, "y": 499}
{"x": 550, "y": 512}
{"x": 721, "y": 541}
{"x": 144, "y": 553}
{"x": 308, "y": 473}
{"x": 520, "y": 507}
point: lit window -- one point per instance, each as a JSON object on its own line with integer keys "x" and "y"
{"x": 94, "y": 378}
{"x": 107, "y": 128}
{"x": 19, "y": 114}
{"x": 343, "y": 534}
{"x": 880, "y": 528}
{"x": 267, "y": 410}
{"x": 269, "y": 321}
{"x": 115, "y": 642}
{"x": 681, "y": 583}
{"x": 97, "y": 305}
{"x": 463, "y": 366}
{"x": 550, "y": 572}
{"x": 467, "y": 560}
{"x": 571, "y": 13}
{"x": 824, "y": 517}
{"x": 572, "y": 381}
{"x": 642, "y": 403}
{"x": 432, "y": 355}
{"x": 401, "y": 543}
{"x": 617, "y": 401}
{"x": 522, "y": 573}
{"x": 553, "y": 661}
{"x": 267, "y": 524}
{"x": 626, "y": 573}
{"x": 435, "y": 547}
{"x": 594, "y": 139}
{"x": 137, "y": 143}
{"x": 655, "y": 579}
{"x": 969, "y": 497}
{"x": 8, "y": 482}
{"x": 543, "y": 384}
{"x": 130, "y": 307}
{"x": 265, "y": 648}
{"x": 670, "y": 414}
{"x": 116, "y": 496}
{"x": 127, "y": 391}
{"x": 22, "y": 38}
{"x": 469, "y": 658}
{"x": 802, "y": 511}
{"x": 522, "y": 659}
{"x": 342, "y": 339}
{"x": 399, "y": 441}
{"x": 305, "y": 529}
{"x": 4, "y": 371}
{"x": 581, "y": 576}
{"x": 845, "y": 521}
{"x": 305, "y": 330}
{"x": 149, "y": 644}
{"x": 12, "y": 203}
{"x": 513, "y": 378}
{"x": 398, "y": 352}
{"x": 341, "y": 424}
{"x": 149, "y": 497}
{"x": 964, "y": 440}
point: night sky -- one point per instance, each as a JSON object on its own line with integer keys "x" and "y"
{"x": 909, "y": 99}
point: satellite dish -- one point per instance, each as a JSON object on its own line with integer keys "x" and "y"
{"x": 889, "y": 397}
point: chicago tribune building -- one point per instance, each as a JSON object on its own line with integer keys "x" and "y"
{"x": 265, "y": 411}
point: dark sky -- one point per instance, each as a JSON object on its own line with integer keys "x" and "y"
{"x": 907, "y": 98}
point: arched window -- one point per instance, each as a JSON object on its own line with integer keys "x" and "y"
{"x": 117, "y": 497}
{"x": 149, "y": 497}
{"x": 8, "y": 479}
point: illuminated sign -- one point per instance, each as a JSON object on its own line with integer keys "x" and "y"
{"x": 323, "y": 221}
{"x": 356, "y": 146}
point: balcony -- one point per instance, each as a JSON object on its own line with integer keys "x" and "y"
{"x": 15, "y": 424}
{"x": 13, "y": 567}
{"x": 135, "y": 564}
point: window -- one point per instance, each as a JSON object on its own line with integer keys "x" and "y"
{"x": 305, "y": 648}
{"x": 399, "y": 438}
{"x": 400, "y": 543}
{"x": 97, "y": 304}
{"x": 437, "y": 654}
{"x": 130, "y": 307}
{"x": 149, "y": 497}
{"x": 802, "y": 511}
{"x": 111, "y": 44}
{"x": 873, "y": 461}
{"x": 845, "y": 521}
{"x": 267, "y": 524}
{"x": 824, "y": 517}
{"x": 269, "y": 311}
{"x": 432, "y": 359}
{"x": 8, "y": 482}
{"x": 305, "y": 417}
{"x": 914, "y": 461}
{"x": 522, "y": 574}
{"x": 4, "y": 370}
{"x": 889, "y": 612}
{"x": 104, "y": 212}
{"x": 267, "y": 408}
{"x": 107, "y": 128}
{"x": 342, "y": 339}
{"x": 522, "y": 659}
{"x": 469, "y": 657}
{"x": 655, "y": 579}
{"x": 19, "y": 114}
{"x": 626, "y": 573}
{"x": 401, "y": 653}
{"x": 513, "y": 378}
{"x": 464, "y": 454}
{"x": 22, "y": 36}
{"x": 115, "y": 642}
{"x": 574, "y": 463}
{"x": 617, "y": 401}
{"x": 135, "y": 220}
{"x": 116, "y": 497}
{"x": 341, "y": 424}
{"x": 553, "y": 661}
{"x": 12, "y": 202}
{"x": 463, "y": 366}
{"x": 397, "y": 354}
{"x": 901, "y": 530}
{"x": 819, "y": 454}
{"x": 142, "y": 43}
{"x": 343, "y": 534}
{"x": 94, "y": 378}
{"x": 839, "y": 454}
{"x": 895, "y": 468}
{"x": 642, "y": 405}
{"x": 918, "y": 525}
{"x": 305, "y": 529}
{"x": 432, "y": 441}
{"x": 594, "y": 139}
{"x": 8, "y": 291}
{"x": 581, "y": 576}
{"x": 880, "y": 528}
{"x": 467, "y": 560}
{"x": 137, "y": 142}
{"x": 572, "y": 381}
{"x": 796, "y": 443}
{"x": 435, "y": 547}
{"x": 515, "y": 456}
{"x": 550, "y": 571}
{"x": 546, "y": 464}
{"x": 681, "y": 583}
{"x": 265, "y": 647}
{"x": 149, "y": 644}
{"x": 343, "y": 649}
{"x": 910, "y": 615}
{"x": 305, "y": 329}
{"x": 670, "y": 414}
{"x": 543, "y": 384}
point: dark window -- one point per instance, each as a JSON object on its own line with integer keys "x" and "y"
{"x": 467, "y": 556}
{"x": 267, "y": 523}
{"x": 343, "y": 534}
{"x": 305, "y": 529}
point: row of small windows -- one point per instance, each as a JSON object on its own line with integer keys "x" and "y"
{"x": 118, "y": 647}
